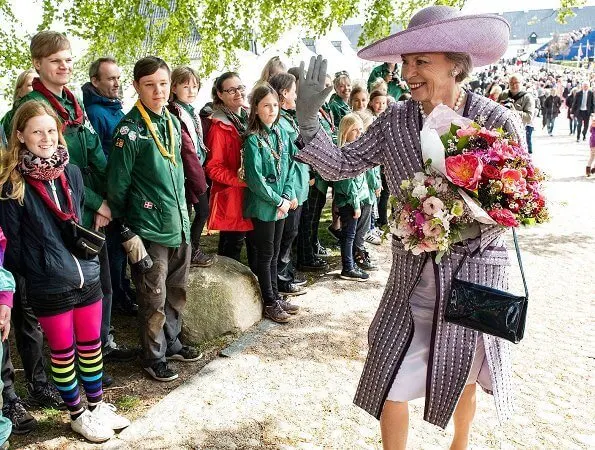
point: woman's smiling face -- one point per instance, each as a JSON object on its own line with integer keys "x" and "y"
{"x": 428, "y": 75}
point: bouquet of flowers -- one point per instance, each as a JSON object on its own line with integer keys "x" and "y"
{"x": 470, "y": 174}
{"x": 429, "y": 215}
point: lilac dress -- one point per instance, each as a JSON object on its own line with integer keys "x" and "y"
{"x": 410, "y": 382}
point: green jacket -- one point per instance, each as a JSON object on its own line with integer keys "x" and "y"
{"x": 394, "y": 90}
{"x": 84, "y": 149}
{"x": 374, "y": 182}
{"x": 352, "y": 191}
{"x": 267, "y": 185}
{"x": 301, "y": 178}
{"x": 145, "y": 188}
{"x": 339, "y": 108}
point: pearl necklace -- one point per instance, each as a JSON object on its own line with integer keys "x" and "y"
{"x": 457, "y": 106}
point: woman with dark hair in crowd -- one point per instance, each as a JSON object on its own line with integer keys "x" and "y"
{"x": 268, "y": 170}
{"x": 224, "y": 141}
{"x": 185, "y": 84}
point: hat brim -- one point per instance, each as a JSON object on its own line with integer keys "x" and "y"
{"x": 484, "y": 37}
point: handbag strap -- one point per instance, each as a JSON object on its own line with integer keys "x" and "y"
{"x": 518, "y": 255}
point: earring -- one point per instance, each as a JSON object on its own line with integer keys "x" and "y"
{"x": 454, "y": 73}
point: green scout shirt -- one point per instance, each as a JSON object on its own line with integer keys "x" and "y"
{"x": 352, "y": 191}
{"x": 339, "y": 108}
{"x": 84, "y": 149}
{"x": 301, "y": 178}
{"x": 394, "y": 90}
{"x": 267, "y": 185}
{"x": 144, "y": 187}
{"x": 374, "y": 182}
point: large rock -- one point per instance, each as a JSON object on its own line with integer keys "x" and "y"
{"x": 224, "y": 298}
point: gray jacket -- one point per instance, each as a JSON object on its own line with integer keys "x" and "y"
{"x": 393, "y": 141}
{"x": 524, "y": 105}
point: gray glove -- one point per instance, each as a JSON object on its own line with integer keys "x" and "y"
{"x": 311, "y": 96}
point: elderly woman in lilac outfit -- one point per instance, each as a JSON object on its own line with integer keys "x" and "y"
{"x": 413, "y": 352}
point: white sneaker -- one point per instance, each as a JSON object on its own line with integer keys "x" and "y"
{"x": 90, "y": 428}
{"x": 373, "y": 238}
{"x": 106, "y": 414}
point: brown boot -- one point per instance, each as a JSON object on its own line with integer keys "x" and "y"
{"x": 200, "y": 259}
{"x": 289, "y": 308}
{"x": 276, "y": 313}
{"x": 588, "y": 173}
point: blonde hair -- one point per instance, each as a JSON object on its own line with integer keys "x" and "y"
{"x": 272, "y": 67}
{"x": 366, "y": 116}
{"x": 347, "y": 123}
{"x": 379, "y": 85}
{"x": 20, "y": 83}
{"x": 10, "y": 158}
{"x": 46, "y": 43}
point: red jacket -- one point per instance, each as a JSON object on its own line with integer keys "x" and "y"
{"x": 195, "y": 181}
{"x": 227, "y": 190}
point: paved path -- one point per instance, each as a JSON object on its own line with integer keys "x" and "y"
{"x": 293, "y": 387}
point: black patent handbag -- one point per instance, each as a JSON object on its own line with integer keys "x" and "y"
{"x": 486, "y": 309}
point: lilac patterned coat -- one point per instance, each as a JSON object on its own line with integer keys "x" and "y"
{"x": 393, "y": 140}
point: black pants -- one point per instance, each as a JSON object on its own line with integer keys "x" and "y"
{"x": 201, "y": 214}
{"x": 265, "y": 241}
{"x": 582, "y": 123}
{"x": 106, "y": 288}
{"x": 383, "y": 201}
{"x": 230, "y": 244}
{"x": 285, "y": 269}
{"x": 29, "y": 343}
{"x": 307, "y": 239}
{"x": 117, "y": 267}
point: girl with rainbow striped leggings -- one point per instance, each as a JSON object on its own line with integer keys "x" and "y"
{"x": 41, "y": 193}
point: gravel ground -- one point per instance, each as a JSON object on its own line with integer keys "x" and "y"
{"x": 292, "y": 387}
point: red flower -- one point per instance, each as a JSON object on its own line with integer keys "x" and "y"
{"x": 504, "y": 217}
{"x": 491, "y": 172}
{"x": 490, "y": 136}
{"x": 464, "y": 170}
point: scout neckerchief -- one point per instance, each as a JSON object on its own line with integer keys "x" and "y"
{"x": 239, "y": 122}
{"x": 171, "y": 155}
{"x": 58, "y": 107}
{"x": 264, "y": 137}
{"x": 287, "y": 115}
{"x": 39, "y": 187}
{"x": 188, "y": 118}
{"x": 328, "y": 118}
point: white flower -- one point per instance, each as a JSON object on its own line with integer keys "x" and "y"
{"x": 405, "y": 184}
{"x": 420, "y": 177}
{"x": 432, "y": 205}
{"x": 420, "y": 191}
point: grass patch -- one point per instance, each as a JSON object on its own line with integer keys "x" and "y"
{"x": 127, "y": 402}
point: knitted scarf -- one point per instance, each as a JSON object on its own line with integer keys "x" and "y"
{"x": 62, "y": 112}
{"x": 239, "y": 122}
{"x": 44, "y": 169}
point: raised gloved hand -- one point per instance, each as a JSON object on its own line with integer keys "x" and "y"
{"x": 311, "y": 96}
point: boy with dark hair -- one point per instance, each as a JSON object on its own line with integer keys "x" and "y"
{"x": 146, "y": 190}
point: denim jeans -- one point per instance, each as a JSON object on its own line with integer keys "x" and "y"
{"x": 529, "y": 131}
{"x": 550, "y": 124}
{"x": 348, "y": 228}
{"x": 363, "y": 227}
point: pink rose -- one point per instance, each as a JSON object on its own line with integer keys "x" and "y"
{"x": 432, "y": 205}
{"x": 504, "y": 217}
{"x": 432, "y": 230}
{"x": 469, "y": 131}
{"x": 513, "y": 181}
{"x": 491, "y": 172}
{"x": 464, "y": 170}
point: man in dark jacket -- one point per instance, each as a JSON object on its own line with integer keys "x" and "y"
{"x": 582, "y": 108}
{"x": 101, "y": 96}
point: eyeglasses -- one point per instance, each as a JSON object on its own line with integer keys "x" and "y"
{"x": 235, "y": 90}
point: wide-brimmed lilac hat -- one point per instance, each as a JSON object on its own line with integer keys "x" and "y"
{"x": 484, "y": 37}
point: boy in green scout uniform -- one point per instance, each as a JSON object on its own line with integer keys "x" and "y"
{"x": 52, "y": 59}
{"x": 146, "y": 190}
